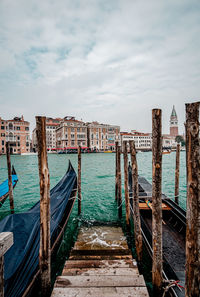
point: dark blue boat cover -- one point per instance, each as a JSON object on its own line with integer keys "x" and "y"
{"x": 4, "y": 189}
{"x": 21, "y": 260}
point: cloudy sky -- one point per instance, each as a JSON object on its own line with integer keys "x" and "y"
{"x": 105, "y": 60}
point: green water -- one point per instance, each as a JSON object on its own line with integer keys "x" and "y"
{"x": 98, "y": 188}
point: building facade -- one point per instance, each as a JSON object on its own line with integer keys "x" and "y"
{"x": 173, "y": 123}
{"x": 143, "y": 141}
{"x": 51, "y": 126}
{"x": 17, "y": 131}
{"x": 70, "y": 134}
{"x": 102, "y": 137}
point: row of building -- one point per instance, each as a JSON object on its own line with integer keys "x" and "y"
{"x": 68, "y": 133}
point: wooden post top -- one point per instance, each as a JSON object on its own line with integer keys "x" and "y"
{"x": 6, "y": 241}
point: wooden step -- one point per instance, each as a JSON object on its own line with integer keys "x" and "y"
{"x": 100, "y": 264}
{"x": 102, "y": 252}
{"x": 100, "y": 281}
{"x": 101, "y": 292}
{"x": 100, "y": 271}
{"x": 111, "y": 257}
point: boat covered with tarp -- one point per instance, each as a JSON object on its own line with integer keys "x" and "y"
{"x": 4, "y": 188}
{"x": 21, "y": 262}
{"x": 174, "y": 234}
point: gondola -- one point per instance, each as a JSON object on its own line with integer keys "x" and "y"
{"x": 174, "y": 233}
{"x": 4, "y": 189}
{"x": 21, "y": 262}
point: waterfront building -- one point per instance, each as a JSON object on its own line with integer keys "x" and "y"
{"x": 173, "y": 123}
{"x": 51, "y": 125}
{"x": 143, "y": 141}
{"x": 102, "y": 137}
{"x": 71, "y": 133}
{"x": 17, "y": 131}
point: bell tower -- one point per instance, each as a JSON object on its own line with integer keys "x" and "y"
{"x": 173, "y": 123}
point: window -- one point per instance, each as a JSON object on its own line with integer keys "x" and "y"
{"x": 18, "y": 137}
{"x": 72, "y": 136}
{"x": 72, "y": 129}
{"x": 18, "y": 128}
{"x": 2, "y": 142}
{"x": 3, "y": 135}
{"x": 2, "y": 127}
{"x": 78, "y": 129}
{"x": 27, "y": 128}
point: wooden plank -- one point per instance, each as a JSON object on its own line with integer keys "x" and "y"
{"x": 100, "y": 281}
{"x": 102, "y": 257}
{"x": 99, "y": 271}
{"x": 102, "y": 252}
{"x": 126, "y": 191}
{"x": 100, "y": 263}
{"x": 100, "y": 229}
{"x": 6, "y": 241}
{"x": 101, "y": 292}
{"x": 2, "y": 276}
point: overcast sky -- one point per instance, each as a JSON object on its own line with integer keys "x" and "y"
{"x": 110, "y": 61}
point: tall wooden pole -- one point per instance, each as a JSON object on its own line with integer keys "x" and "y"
{"x": 79, "y": 180}
{"x": 45, "y": 245}
{"x": 136, "y": 209}
{"x": 126, "y": 183}
{"x": 119, "y": 183}
{"x": 10, "y": 177}
{"x": 192, "y": 280}
{"x": 116, "y": 170}
{"x": 157, "y": 200}
{"x": 177, "y": 173}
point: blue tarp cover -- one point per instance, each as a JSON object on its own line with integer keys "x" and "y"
{"x": 4, "y": 186}
{"x": 21, "y": 260}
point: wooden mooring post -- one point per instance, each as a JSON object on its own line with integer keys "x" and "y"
{"x": 6, "y": 241}
{"x": 79, "y": 180}
{"x": 192, "y": 279}
{"x": 45, "y": 244}
{"x": 136, "y": 209}
{"x": 157, "y": 201}
{"x": 10, "y": 177}
{"x": 126, "y": 183}
{"x": 177, "y": 173}
{"x": 116, "y": 170}
{"x": 119, "y": 180}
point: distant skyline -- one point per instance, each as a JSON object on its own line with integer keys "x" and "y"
{"x": 109, "y": 61}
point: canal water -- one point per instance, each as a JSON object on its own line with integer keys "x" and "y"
{"x": 98, "y": 188}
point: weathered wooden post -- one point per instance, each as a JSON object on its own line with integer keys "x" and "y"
{"x": 79, "y": 180}
{"x": 136, "y": 209}
{"x": 45, "y": 244}
{"x": 192, "y": 280}
{"x": 6, "y": 241}
{"x": 119, "y": 183}
{"x": 177, "y": 173}
{"x": 126, "y": 183}
{"x": 10, "y": 177}
{"x": 157, "y": 201}
{"x": 116, "y": 170}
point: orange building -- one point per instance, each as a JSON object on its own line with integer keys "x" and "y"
{"x": 71, "y": 133}
{"x": 17, "y": 132}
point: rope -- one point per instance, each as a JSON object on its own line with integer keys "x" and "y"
{"x": 172, "y": 283}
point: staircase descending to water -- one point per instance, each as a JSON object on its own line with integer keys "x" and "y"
{"x": 100, "y": 265}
